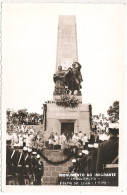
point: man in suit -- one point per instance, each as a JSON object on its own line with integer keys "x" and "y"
{"x": 33, "y": 164}
{"x": 83, "y": 161}
{"x": 14, "y": 159}
{"x": 73, "y": 168}
{"x": 91, "y": 138}
{"x": 107, "y": 156}
{"x": 92, "y": 159}
{"x": 20, "y": 167}
{"x": 9, "y": 151}
{"x": 28, "y": 162}
{"x": 39, "y": 170}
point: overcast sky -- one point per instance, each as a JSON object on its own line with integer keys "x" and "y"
{"x": 29, "y": 44}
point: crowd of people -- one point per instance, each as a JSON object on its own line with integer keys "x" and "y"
{"x": 24, "y": 165}
{"x": 78, "y": 139}
{"x": 100, "y": 122}
{"x": 24, "y": 135}
{"x": 23, "y": 117}
{"x": 22, "y": 157}
{"x": 100, "y": 158}
{"x": 23, "y": 144}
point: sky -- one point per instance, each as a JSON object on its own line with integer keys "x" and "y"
{"x": 29, "y": 45}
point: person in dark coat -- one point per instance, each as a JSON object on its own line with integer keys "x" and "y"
{"x": 93, "y": 159}
{"x": 20, "y": 168}
{"x": 14, "y": 159}
{"x": 9, "y": 151}
{"x": 28, "y": 162}
{"x": 39, "y": 170}
{"x": 79, "y": 162}
{"x": 83, "y": 161}
{"x": 91, "y": 138}
{"x": 33, "y": 164}
{"x": 26, "y": 168}
{"x": 73, "y": 167}
{"x": 107, "y": 156}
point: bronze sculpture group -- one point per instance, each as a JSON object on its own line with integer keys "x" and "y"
{"x": 68, "y": 81}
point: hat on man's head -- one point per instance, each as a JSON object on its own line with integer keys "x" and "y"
{"x": 85, "y": 151}
{"x": 90, "y": 145}
{"x": 80, "y": 154}
{"x": 34, "y": 153}
{"x": 73, "y": 160}
{"x": 25, "y": 149}
{"x": 38, "y": 156}
{"x": 29, "y": 150}
{"x": 15, "y": 146}
{"x": 114, "y": 128}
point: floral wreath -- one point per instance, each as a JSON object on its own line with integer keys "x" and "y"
{"x": 66, "y": 100}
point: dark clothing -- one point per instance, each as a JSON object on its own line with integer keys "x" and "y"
{"x": 107, "y": 152}
{"x": 73, "y": 168}
{"x": 9, "y": 170}
{"x": 28, "y": 165}
{"x": 78, "y": 164}
{"x": 75, "y": 85}
{"x": 34, "y": 162}
{"x": 83, "y": 164}
{"x": 11, "y": 161}
{"x": 39, "y": 170}
{"x": 96, "y": 138}
{"x": 21, "y": 159}
{"x": 20, "y": 168}
{"x": 92, "y": 162}
{"x": 74, "y": 78}
{"x": 92, "y": 139}
{"x": 14, "y": 160}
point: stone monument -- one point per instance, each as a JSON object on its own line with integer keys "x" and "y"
{"x": 67, "y": 42}
{"x": 66, "y": 113}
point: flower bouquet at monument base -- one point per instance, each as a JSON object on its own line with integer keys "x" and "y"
{"x": 67, "y": 100}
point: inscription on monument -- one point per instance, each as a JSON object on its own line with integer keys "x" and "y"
{"x": 78, "y": 108}
{"x": 68, "y": 114}
{"x": 67, "y": 42}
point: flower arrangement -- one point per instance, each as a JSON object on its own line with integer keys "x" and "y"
{"x": 67, "y": 100}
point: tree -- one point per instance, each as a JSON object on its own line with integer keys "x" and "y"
{"x": 113, "y": 111}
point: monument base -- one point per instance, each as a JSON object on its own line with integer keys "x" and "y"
{"x": 68, "y": 120}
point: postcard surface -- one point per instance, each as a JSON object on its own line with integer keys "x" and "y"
{"x": 63, "y": 89}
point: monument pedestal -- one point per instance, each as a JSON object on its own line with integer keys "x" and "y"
{"x": 68, "y": 120}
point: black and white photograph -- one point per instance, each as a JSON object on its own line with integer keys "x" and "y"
{"x": 63, "y": 82}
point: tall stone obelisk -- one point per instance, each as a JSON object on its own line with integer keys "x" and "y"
{"x": 66, "y": 42}
{"x": 60, "y": 118}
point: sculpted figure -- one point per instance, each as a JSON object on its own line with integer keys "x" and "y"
{"x": 74, "y": 77}
{"x": 59, "y": 79}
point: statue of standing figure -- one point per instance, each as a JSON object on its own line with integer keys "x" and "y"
{"x": 74, "y": 78}
{"x": 69, "y": 80}
{"x": 59, "y": 79}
